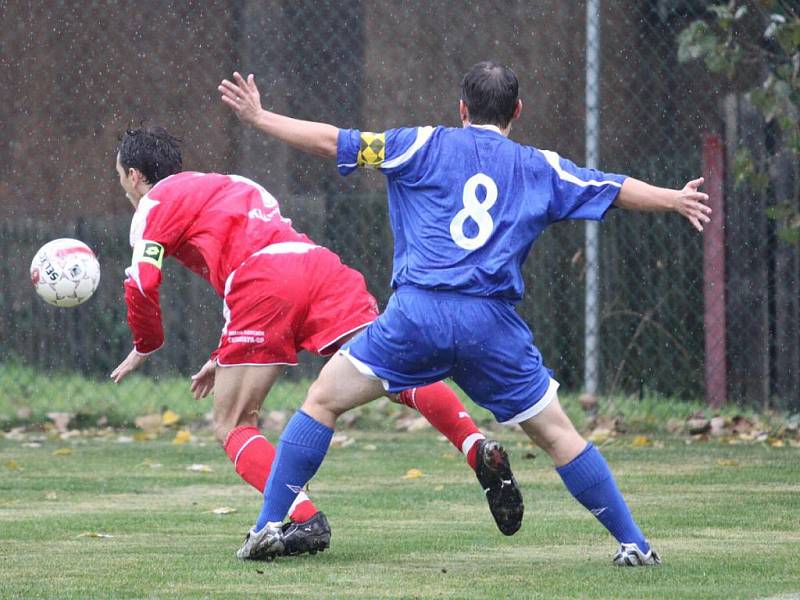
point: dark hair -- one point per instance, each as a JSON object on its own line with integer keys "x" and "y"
{"x": 490, "y": 91}
{"x": 152, "y": 151}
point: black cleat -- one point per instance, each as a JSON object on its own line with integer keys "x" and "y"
{"x": 498, "y": 483}
{"x": 311, "y": 536}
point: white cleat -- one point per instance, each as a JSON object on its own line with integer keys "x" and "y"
{"x": 629, "y": 555}
{"x": 262, "y": 545}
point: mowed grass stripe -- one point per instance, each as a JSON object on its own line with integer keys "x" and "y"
{"x": 727, "y": 529}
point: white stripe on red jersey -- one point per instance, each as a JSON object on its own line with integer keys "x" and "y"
{"x": 209, "y": 222}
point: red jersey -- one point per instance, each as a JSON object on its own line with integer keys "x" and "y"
{"x": 209, "y": 222}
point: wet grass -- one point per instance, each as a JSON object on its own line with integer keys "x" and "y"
{"x": 726, "y": 520}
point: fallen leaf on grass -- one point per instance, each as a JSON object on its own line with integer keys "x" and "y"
{"x": 411, "y": 423}
{"x": 438, "y": 488}
{"x": 182, "y": 437}
{"x": 12, "y": 465}
{"x": 674, "y": 425}
{"x": 32, "y": 445}
{"x": 413, "y": 474}
{"x": 223, "y": 510}
{"x": 62, "y": 452}
{"x": 94, "y": 534}
{"x": 641, "y": 441}
{"x": 60, "y": 420}
{"x": 124, "y": 439}
{"x": 717, "y": 426}
{"x": 727, "y": 462}
{"x": 144, "y": 436}
{"x": 775, "y": 443}
{"x": 370, "y": 447}
{"x": 148, "y": 422}
{"x": 51, "y": 496}
{"x": 341, "y": 440}
{"x": 698, "y": 425}
{"x": 599, "y": 435}
{"x": 170, "y": 417}
{"x": 17, "y": 434}
{"x": 447, "y": 455}
{"x": 199, "y": 468}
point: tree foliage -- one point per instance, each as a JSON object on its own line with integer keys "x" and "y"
{"x": 735, "y": 40}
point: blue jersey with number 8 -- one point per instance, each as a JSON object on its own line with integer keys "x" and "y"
{"x": 466, "y": 204}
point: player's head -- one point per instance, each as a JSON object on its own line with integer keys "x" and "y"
{"x": 145, "y": 156}
{"x": 490, "y": 95}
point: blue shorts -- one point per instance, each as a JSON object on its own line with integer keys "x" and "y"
{"x": 425, "y": 336}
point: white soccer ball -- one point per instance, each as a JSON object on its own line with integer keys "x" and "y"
{"x": 65, "y": 272}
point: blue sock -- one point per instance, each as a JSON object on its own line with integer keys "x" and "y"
{"x": 589, "y": 479}
{"x": 304, "y": 443}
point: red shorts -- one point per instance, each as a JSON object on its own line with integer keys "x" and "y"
{"x": 289, "y": 297}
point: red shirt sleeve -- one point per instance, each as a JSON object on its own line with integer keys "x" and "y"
{"x": 144, "y": 311}
{"x": 154, "y": 231}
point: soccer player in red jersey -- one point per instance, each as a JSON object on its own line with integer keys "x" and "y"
{"x": 282, "y": 293}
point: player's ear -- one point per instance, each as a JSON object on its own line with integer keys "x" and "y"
{"x": 517, "y": 109}
{"x": 463, "y": 111}
{"x": 135, "y": 175}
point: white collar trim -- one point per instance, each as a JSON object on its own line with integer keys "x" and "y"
{"x": 492, "y": 127}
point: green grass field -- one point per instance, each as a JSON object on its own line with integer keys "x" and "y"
{"x": 726, "y": 519}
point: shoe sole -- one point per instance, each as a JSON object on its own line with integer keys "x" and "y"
{"x": 502, "y": 492}
{"x": 315, "y": 544}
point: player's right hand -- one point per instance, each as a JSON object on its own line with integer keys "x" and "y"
{"x": 203, "y": 380}
{"x": 242, "y": 97}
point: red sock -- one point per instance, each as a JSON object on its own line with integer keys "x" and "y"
{"x": 252, "y": 455}
{"x": 442, "y": 408}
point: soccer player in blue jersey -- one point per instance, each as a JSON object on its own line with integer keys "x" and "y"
{"x": 465, "y": 205}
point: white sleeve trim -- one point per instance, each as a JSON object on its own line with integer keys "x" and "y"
{"x": 148, "y": 353}
{"x": 133, "y": 273}
{"x": 423, "y": 135}
{"x": 555, "y": 161}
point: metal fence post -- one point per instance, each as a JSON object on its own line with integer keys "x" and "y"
{"x": 592, "y": 241}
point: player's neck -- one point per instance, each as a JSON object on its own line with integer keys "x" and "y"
{"x": 503, "y": 132}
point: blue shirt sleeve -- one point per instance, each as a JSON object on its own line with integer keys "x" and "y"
{"x": 578, "y": 192}
{"x": 391, "y": 151}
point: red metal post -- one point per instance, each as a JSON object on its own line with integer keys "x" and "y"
{"x": 714, "y": 272}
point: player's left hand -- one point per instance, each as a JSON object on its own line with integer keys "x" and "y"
{"x": 203, "y": 380}
{"x": 691, "y": 203}
{"x": 242, "y": 97}
{"x": 133, "y": 361}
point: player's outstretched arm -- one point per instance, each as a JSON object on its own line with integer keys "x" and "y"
{"x": 244, "y": 100}
{"x": 688, "y": 202}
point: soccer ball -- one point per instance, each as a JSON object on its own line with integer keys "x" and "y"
{"x": 65, "y": 272}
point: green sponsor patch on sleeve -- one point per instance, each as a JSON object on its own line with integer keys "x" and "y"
{"x": 149, "y": 252}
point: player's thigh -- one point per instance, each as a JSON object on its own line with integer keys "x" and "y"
{"x": 338, "y": 304}
{"x": 553, "y": 431}
{"x": 409, "y": 345}
{"x": 498, "y": 365}
{"x": 239, "y": 393}
{"x": 339, "y": 388}
{"x": 262, "y": 313}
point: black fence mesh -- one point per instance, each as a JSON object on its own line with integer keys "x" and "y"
{"x": 75, "y": 75}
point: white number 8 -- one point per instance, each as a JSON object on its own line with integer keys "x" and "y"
{"x": 477, "y": 211}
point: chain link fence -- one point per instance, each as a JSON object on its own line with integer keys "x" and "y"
{"x": 76, "y": 75}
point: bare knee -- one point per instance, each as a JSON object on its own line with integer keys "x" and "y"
{"x": 554, "y": 433}
{"x": 320, "y": 403}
